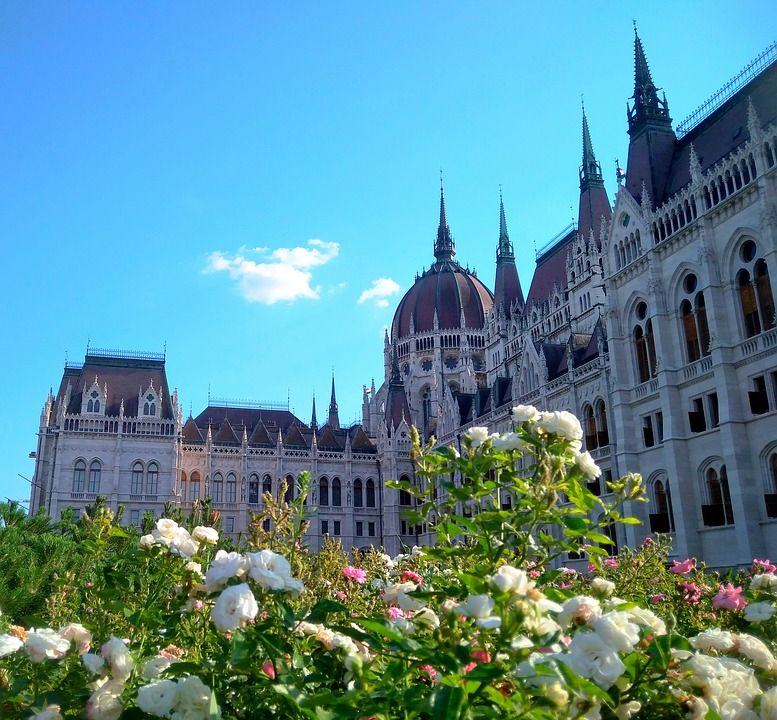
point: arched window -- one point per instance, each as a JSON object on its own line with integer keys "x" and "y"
{"x": 183, "y": 485}
{"x": 231, "y": 494}
{"x": 644, "y": 344}
{"x": 358, "y": 498}
{"x": 602, "y": 431}
{"x": 323, "y": 492}
{"x": 93, "y": 405}
{"x": 370, "y": 485}
{"x": 690, "y": 332}
{"x": 640, "y": 350}
{"x": 693, "y": 312}
{"x": 218, "y": 488}
{"x": 253, "y": 490}
{"x": 266, "y": 484}
{"x": 136, "y": 487}
{"x": 95, "y": 470}
{"x": 79, "y": 476}
{"x": 405, "y": 498}
{"x": 717, "y": 510}
{"x": 152, "y": 478}
{"x": 149, "y": 405}
{"x": 288, "y": 496}
{"x": 770, "y": 496}
{"x": 194, "y": 486}
{"x": 336, "y": 494}
{"x": 755, "y": 290}
{"x": 589, "y": 426}
{"x": 662, "y": 517}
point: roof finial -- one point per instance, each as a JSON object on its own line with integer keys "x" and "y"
{"x": 647, "y": 104}
{"x": 444, "y": 248}
{"x": 590, "y": 170}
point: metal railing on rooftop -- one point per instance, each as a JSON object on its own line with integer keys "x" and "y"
{"x": 124, "y": 354}
{"x": 555, "y": 240}
{"x": 242, "y": 403}
{"x": 764, "y": 60}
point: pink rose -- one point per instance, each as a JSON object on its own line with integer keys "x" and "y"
{"x": 763, "y": 567}
{"x": 356, "y": 574}
{"x": 729, "y": 598}
{"x": 410, "y": 576}
{"x": 269, "y": 670}
{"x": 657, "y": 598}
{"x": 684, "y": 567}
{"x": 340, "y": 595}
{"x": 429, "y": 671}
{"x": 691, "y": 592}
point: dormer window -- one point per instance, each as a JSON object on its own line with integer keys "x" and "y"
{"x": 149, "y": 406}
{"x": 93, "y": 401}
{"x": 149, "y": 402}
{"x": 93, "y": 404}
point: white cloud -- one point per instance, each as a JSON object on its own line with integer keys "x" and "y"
{"x": 381, "y": 289}
{"x": 283, "y": 276}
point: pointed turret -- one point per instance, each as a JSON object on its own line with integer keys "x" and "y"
{"x": 313, "y": 420}
{"x": 594, "y": 203}
{"x": 444, "y": 247}
{"x": 507, "y": 287}
{"x": 650, "y": 129}
{"x": 334, "y": 419}
{"x": 397, "y": 408}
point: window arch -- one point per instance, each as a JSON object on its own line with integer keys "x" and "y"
{"x": 770, "y": 487}
{"x": 589, "y": 426}
{"x": 152, "y": 478}
{"x": 79, "y": 476}
{"x": 405, "y": 498}
{"x": 194, "y": 486}
{"x": 266, "y": 484}
{"x": 323, "y": 492}
{"x": 693, "y": 314}
{"x": 136, "y": 486}
{"x": 288, "y": 496}
{"x": 93, "y": 404}
{"x": 358, "y": 498}
{"x": 231, "y": 489}
{"x": 253, "y": 489}
{"x": 336, "y": 492}
{"x": 95, "y": 472}
{"x": 370, "y": 487}
{"x": 717, "y": 509}
{"x": 602, "y": 431}
{"x": 218, "y": 488}
{"x": 182, "y": 494}
{"x": 644, "y": 344}
{"x": 754, "y": 289}
{"x": 662, "y": 517}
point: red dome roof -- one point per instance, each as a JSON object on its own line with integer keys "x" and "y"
{"x": 447, "y": 288}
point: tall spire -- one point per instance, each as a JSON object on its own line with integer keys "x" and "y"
{"x": 507, "y": 287}
{"x": 313, "y": 421}
{"x": 444, "y": 247}
{"x": 647, "y": 105}
{"x": 591, "y": 170}
{"x": 334, "y": 419}
{"x": 396, "y": 377}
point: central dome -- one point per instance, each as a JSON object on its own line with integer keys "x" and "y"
{"x": 448, "y": 290}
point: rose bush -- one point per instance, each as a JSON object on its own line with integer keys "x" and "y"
{"x": 484, "y": 625}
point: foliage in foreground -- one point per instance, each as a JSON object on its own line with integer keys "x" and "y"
{"x": 480, "y": 626}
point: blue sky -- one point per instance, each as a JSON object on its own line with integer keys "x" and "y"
{"x": 230, "y": 179}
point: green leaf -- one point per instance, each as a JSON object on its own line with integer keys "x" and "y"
{"x": 243, "y": 648}
{"x": 448, "y": 702}
{"x": 322, "y": 609}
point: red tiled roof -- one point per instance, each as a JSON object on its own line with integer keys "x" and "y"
{"x": 225, "y": 435}
{"x": 361, "y": 442}
{"x": 191, "y": 432}
{"x": 248, "y": 417}
{"x": 294, "y": 437}
{"x": 125, "y": 379}
{"x": 551, "y": 270}
{"x": 260, "y": 436}
{"x": 327, "y": 439}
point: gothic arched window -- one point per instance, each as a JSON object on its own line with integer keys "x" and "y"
{"x": 253, "y": 490}
{"x": 358, "y": 499}
{"x": 370, "y": 493}
{"x": 231, "y": 494}
{"x": 644, "y": 344}
{"x": 770, "y": 496}
{"x": 323, "y": 492}
{"x": 95, "y": 471}
{"x": 93, "y": 405}
{"x": 194, "y": 486}
{"x": 288, "y": 496}
{"x": 136, "y": 487}
{"x": 602, "y": 431}
{"x": 662, "y": 517}
{"x": 152, "y": 479}
{"x": 717, "y": 509}
{"x": 754, "y": 288}
{"x": 266, "y": 484}
{"x": 217, "y": 492}
{"x": 589, "y": 427}
{"x": 79, "y": 476}
{"x": 336, "y": 494}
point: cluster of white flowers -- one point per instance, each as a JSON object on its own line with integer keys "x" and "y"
{"x": 560, "y": 423}
{"x": 168, "y": 533}
{"x": 45, "y": 643}
{"x": 355, "y": 655}
{"x": 267, "y": 569}
{"x": 187, "y": 698}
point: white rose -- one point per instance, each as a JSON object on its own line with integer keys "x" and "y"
{"x": 428, "y": 618}
{"x": 592, "y": 657}
{"x": 648, "y": 618}
{"x": 525, "y": 413}
{"x": 507, "y": 441}
{"x": 756, "y": 650}
{"x": 397, "y": 594}
{"x": 206, "y": 535}
{"x": 105, "y": 702}
{"x": 477, "y": 606}
{"x": 769, "y": 705}
{"x": 93, "y": 663}
{"x": 183, "y": 544}
{"x": 602, "y": 586}
{"x": 713, "y": 639}
{"x": 193, "y": 567}
{"x": 492, "y": 622}
{"x": 580, "y": 610}
{"x": 625, "y": 711}
{"x": 759, "y": 612}
{"x": 166, "y": 528}
{"x": 78, "y": 634}
{"x": 387, "y": 560}
{"x": 587, "y": 466}
{"x": 158, "y": 698}
{"x": 50, "y": 712}
{"x": 510, "y": 580}
{"x": 764, "y": 582}
{"x": 224, "y": 566}
{"x": 147, "y": 541}
{"x": 268, "y": 569}
{"x": 561, "y": 423}
{"x": 45, "y": 644}
{"x": 477, "y": 435}
{"x": 616, "y": 628}
{"x": 118, "y": 657}
{"x": 193, "y": 700}
{"x": 9, "y": 644}
{"x": 156, "y": 666}
{"x": 233, "y": 607}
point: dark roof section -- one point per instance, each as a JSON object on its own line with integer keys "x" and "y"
{"x": 246, "y": 417}
{"x": 555, "y": 359}
{"x": 327, "y": 440}
{"x": 191, "y": 433}
{"x": 507, "y": 288}
{"x": 724, "y": 130}
{"x": 260, "y": 436}
{"x": 551, "y": 269}
{"x": 360, "y": 442}
{"x": 125, "y": 377}
{"x": 446, "y": 288}
{"x": 594, "y": 203}
{"x": 293, "y": 438}
{"x": 225, "y": 435}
